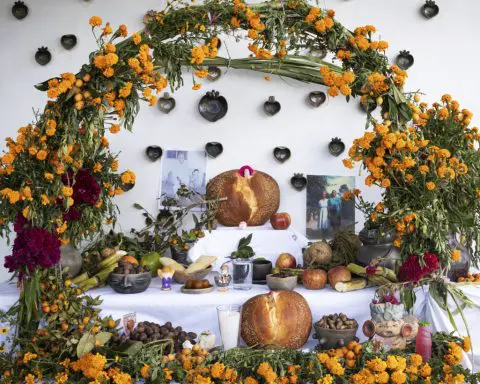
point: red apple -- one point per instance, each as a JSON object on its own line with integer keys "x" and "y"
{"x": 280, "y": 220}
{"x": 286, "y": 260}
{"x": 314, "y": 278}
{"x": 338, "y": 274}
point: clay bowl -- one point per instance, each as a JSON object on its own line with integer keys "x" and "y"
{"x": 334, "y": 338}
{"x": 180, "y": 277}
{"x": 282, "y": 283}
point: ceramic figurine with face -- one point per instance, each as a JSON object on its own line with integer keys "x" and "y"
{"x": 390, "y": 325}
{"x": 131, "y": 283}
{"x": 223, "y": 279}
{"x": 166, "y": 275}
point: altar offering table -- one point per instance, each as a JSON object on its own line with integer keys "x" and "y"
{"x": 197, "y": 313}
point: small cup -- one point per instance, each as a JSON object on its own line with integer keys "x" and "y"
{"x": 229, "y": 324}
{"x": 261, "y": 268}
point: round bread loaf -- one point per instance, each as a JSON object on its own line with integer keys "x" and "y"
{"x": 252, "y": 198}
{"x": 278, "y": 318}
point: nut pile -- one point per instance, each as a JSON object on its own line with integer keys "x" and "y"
{"x": 126, "y": 268}
{"x": 337, "y": 321}
{"x": 147, "y": 331}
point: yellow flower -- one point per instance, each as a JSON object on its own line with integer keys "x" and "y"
{"x": 3, "y": 330}
{"x": 327, "y": 379}
{"x": 425, "y": 370}
{"x": 123, "y": 30}
{"x": 45, "y": 199}
{"x": 196, "y": 87}
{"x": 122, "y": 378}
{"x": 97, "y": 167}
{"x": 144, "y": 371}
{"x": 167, "y": 373}
{"x": 386, "y": 183}
{"x": 25, "y": 212}
{"x": 382, "y": 378}
{"x": 217, "y": 370}
{"x": 462, "y": 169}
{"x": 416, "y": 360}
{"x": 398, "y": 377}
{"x": 67, "y": 191}
{"x": 201, "y": 73}
{"x": 42, "y": 154}
{"x": 136, "y": 38}
{"x": 107, "y": 30}
{"x": 250, "y": 380}
{"x": 430, "y": 185}
{"x": 456, "y": 255}
{"x": 61, "y": 378}
{"x": 128, "y": 177}
{"x": 95, "y": 21}
{"x": 28, "y": 357}
{"x": 114, "y": 128}
{"x": 467, "y": 344}
{"x": 235, "y": 22}
{"x": 29, "y": 379}
{"x": 376, "y": 365}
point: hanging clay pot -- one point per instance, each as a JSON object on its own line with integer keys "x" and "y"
{"x": 271, "y": 107}
{"x": 298, "y": 181}
{"x": 154, "y": 152}
{"x": 212, "y": 106}
{"x": 68, "y": 41}
{"x": 214, "y": 73}
{"x": 429, "y": 9}
{"x": 166, "y": 103}
{"x": 316, "y": 98}
{"x": 19, "y": 10}
{"x": 336, "y": 146}
{"x": 214, "y": 149}
{"x": 43, "y": 56}
{"x": 404, "y": 60}
{"x": 282, "y": 154}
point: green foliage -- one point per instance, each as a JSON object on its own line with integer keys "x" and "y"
{"x": 244, "y": 250}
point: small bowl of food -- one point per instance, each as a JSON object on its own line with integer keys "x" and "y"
{"x": 282, "y": 281}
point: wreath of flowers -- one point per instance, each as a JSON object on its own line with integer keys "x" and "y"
{"x": 58, "y": 177}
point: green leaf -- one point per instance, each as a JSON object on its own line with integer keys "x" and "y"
{"x": 137, "y": 206}
{"x": 103, "y": 337}
{"x": 86, "y": 344}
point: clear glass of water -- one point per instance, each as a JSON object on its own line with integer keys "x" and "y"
{"x": 242, "y": 274}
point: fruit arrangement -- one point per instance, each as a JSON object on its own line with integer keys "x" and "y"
{"x": 126, "y": 267}
{"x": 337, "y": 321}
{"x": 197, "y": 284}
{"x": 351, "y": 353}
{"x": 470, "y": 278}
{"x": 147, "y": 331}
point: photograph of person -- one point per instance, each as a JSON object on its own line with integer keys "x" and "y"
{"x": 327, "y": 212}
{"x": 183, "y": 167}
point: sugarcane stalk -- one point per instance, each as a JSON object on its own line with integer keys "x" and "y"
{"x": 80, "y": 278}
{"x": 386, "y": 272}
{"x": 379, "y": 280}
{"x": 91, "y": 282}
{"x": 103, "y": 274}
{"x": 115, "y": 258}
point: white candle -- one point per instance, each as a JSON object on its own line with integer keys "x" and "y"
{"x": 229, "y": 328}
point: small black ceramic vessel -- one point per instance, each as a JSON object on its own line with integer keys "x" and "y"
{"x": 43, "y": 56}
{"x": 214, "y": 149}
{"x": 282, "y": 154}
{"x": 271, "y": 106}
{"x": 212, "y": 106}
{"x": 127, "y": 284}
{"x": 316, "y": 98}
{"x": 298, "y": 181}
{"x": 154, "y": 152}
{"x": 261, "y": 268}
{"x": 429, "y": 9}
{"x": 404, "y": 60}
{"x": 214, "y": 73}
{"x": 68, "y": 41}
{"x": 19, "y": 10}
{"x": 166, "y": 103}
{"x": 368, "y": 107}
{"x": 336, "y": 146}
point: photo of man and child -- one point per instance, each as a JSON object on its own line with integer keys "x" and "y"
{"x": 326, "y": 209}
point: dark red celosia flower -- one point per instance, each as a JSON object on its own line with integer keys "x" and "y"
{"x": 20, "y": 223}
{"x": 371, "y": 270}
{"x": 86, "y": 190}
{"x": 33, "y": 248}
{"x": 411, "y": 270}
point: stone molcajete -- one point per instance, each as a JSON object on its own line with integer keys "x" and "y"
{"x": 252, "y": 196}
{"x": 391, "y": 325}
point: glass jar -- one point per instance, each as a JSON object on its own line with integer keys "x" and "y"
{"x": 242, "y": 274}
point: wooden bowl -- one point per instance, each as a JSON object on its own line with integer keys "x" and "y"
{"x": 180, "y": 277}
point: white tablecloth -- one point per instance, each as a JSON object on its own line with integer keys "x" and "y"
{"x": 197, "y": 313}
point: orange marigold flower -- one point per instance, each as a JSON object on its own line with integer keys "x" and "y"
{"x": 456, "y": 255}
{"x": 114, "y": 128}
{"x": 136, "y": 38}
{"x": 107, "y": 30}
{"x": 95, "y": 21}
{"x": 122, "y": 30}
{"x": 235, "y": 22}
{"x": 42, "y": 154}
{"x": 430, "y": 185}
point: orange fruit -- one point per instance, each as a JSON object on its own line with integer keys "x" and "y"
{"x": 79, "y": 105}
{"x": 351, "y": 344}
{"x": 85, "y": 320}
{"x": 129, "y": 259}
{"x": 78, "y": 97}
{"x": 79, "y": 83}
{"x": 357, "y": 349}
{"x": 350, "y": 363}
{"x": 64, "y": 326}
{"x": 87, "y": 77}
{"x": 350, "y": 355}
{"x": 111, "y": 323}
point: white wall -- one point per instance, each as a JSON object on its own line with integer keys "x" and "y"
{"x": 446, "y": 60}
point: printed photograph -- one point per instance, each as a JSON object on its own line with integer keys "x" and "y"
{"x": 326, "y": 210}
{"x": 183, "y": 167}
